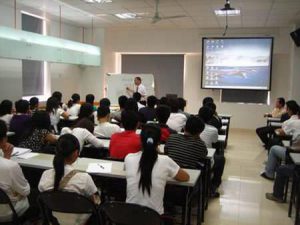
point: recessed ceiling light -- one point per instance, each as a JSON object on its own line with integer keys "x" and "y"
{"x": 233, "y": 12}
{"x": 98, "y": 1}
{"x": 126, "y": 16}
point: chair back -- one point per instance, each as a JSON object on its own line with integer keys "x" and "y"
{"x": 65, "y": 202}
{"x": 122, "y": 213}
{"x": 4, "y": 199}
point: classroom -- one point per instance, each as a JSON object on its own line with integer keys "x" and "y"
{"x": 151, "y": 112}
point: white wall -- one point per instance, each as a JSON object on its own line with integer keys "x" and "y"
{"x": 189, "y": 41}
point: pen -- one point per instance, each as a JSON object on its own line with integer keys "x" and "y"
{"x": 102, "y": 167}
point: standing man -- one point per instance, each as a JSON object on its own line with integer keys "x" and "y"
{"x": 138, "y": 87}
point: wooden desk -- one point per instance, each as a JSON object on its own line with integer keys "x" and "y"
{"x": 45, "y": 161}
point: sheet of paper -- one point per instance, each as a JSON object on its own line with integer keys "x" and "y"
{"x": 20, "y": 151}
{"x": 27, "y": 155}
{"x": 99, "y": 168}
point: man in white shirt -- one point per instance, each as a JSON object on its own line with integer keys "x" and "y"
{"x": 138, "y": 87}
{"x": 176, "y": 120}
{"x": 105, "y": 128}
{"x": 12, "y": 180}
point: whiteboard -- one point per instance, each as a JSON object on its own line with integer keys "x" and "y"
{"x": 116, "y": 85}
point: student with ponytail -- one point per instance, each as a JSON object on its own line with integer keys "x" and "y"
{"x": 147, "y": 172}
{"x": 64, "y": 177}
{"x": 74, "y": 105}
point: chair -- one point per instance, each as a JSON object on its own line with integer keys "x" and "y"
{"x": 65, "y": 202}
{"x": 4, "y": 199}
{"x": 121, "y": 213}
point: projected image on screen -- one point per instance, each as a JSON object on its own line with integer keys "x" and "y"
{"x": 237, "y": 63}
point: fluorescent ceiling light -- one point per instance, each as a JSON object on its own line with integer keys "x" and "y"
{"x": 98, "y": 1}
{"x": 233, "y": 12}
{"x": 126, "y": 16}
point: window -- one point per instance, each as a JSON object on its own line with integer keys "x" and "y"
{"x": 33, "y": 72}
{"x": 245, "y": 96}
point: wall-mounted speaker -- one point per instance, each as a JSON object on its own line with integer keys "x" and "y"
{"x": 296, "y": 37}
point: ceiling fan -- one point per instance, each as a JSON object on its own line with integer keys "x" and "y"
{"x": 156, "y": 18}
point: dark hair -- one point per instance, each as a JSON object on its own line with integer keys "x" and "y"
{"x": 41, "y": 120}
{"x": 57, "y": 95}
{"x": 129, "y": 119}
{"x": 5, "y": 107}
{"x": 292, "y": 106}
{"x": 137, "y": 96}
{"x": 34, "y": 101}
{"x": 205, "y": 114}
{"x": 3, "y": 130}
{"x": 150, "y": 137}
{"x": 281, "y": 101}
{"x": 22, "y": 106}
{"x": 86, "y": 110}
{"x": 163, "y": 113}
{"x": 131, "y": 105}
{"x": 103, "y": 111}
{"x": 151, "y": 101}
{"x": 138, "y": 78}
{"x": 207, "y": 100}
{"x": 181, "y": 103}
{"x": 74, "y": 99}
{"x": 212, "y": 106}
{"x": 163, "y": 101}
{"x": 122, "y": 101}
{"x": 90, "y": 98}
{"x": 104, "y": 102}
{"x": 52, "y": 104}
{"x": 66, "y": 145}
{"x": 194, "y": 125}
{"x": 85, "y": 123}
{"x": 173, "y": 103}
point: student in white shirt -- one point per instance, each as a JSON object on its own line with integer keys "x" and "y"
{"x": 176, "y": 120}
{"x": 74, "y": 105}
{"x": 55, "y": 112}
{"x": 58, "y": 96}
{"x": 147, "y": 172}
{"x": 138, "y": 87}
{"x": 6, "y": 112}
{"x": 64, "y": 177}
{"x": 105, "y": 128}
{"x": 210, "y": 134}
{"x": 12, "y": 180}
{"x": 83, "y": 131}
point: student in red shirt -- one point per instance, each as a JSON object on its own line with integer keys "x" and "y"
{"x": 127, "y": 141}
{"x": 162, "y": 115}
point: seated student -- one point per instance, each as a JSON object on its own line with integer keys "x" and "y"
{"x": 187, "y": 149}
{"x": 176, "y": 120}
{"x": 55, "y": 112}
{"x": 131, "y": 105}
{"x": 127, "y": 141}
{"x": 64, "y": 177}
{"x": 104, "y": 102}
{"x": 6, "y": 112}
{"x": 12, "y": 180}
{"x": 21, "y": 120}
{"x": 105, "y": 128}
{"x": 181, "y": 106}
{"x": 265, "y": 132}
{"x": 210, "y": 134}
{"x": 216, "y": 121}
{"x": 58, "y": 96}
{"x": 163, "y": 101}
{"x": 83, "y": 130}
{"x": 162, "y": 114}
{"x": 207, "y": 100}
{"x": 148, "y": 112}
{"x": 147, "y": 172}
{"x": 137, "y": 97}
{"x": 74, "y": 105}
{"x": 289, "y": 127}
{"x": 33, "y": 105}
{"x": 284, "y": 172}
{"x": 86, "y": 113}
{"x": 90, "y": 98}
{"x": 39, "y": 133}
{"x": 122, "y": 102}
{"x": 279, "y": 109}
{"x": 276, "y": 155}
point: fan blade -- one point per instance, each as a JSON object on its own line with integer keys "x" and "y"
{"x": 173, "y": 17}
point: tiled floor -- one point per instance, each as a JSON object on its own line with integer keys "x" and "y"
{"x": 243, "y": 191}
